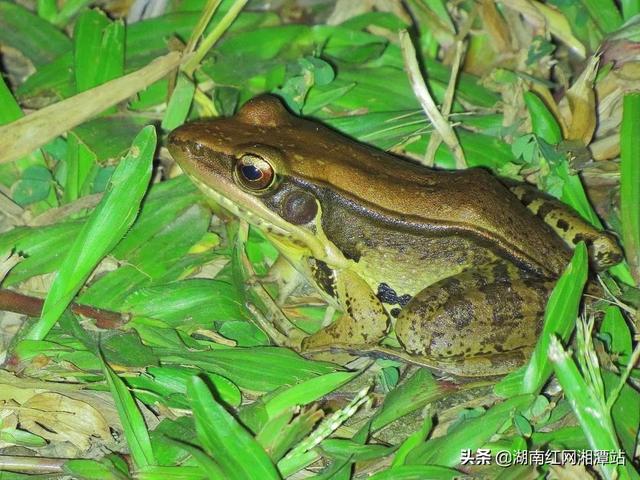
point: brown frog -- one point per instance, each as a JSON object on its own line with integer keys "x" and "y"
{"x": 453, "y": 262}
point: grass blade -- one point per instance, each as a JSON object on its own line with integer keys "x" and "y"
{"x": 559, "y": 319}
{"x": 308, "y": 391}
{"x": 472, "y": 434}
{"x": 104, "y": 228}
{"x": 22, "y": 136}
{"x": 36, "y": 38}
{"x": 593, "y": 415}
{"x": 99, "y": 50}
{"x": 604, "y": 13}
{"x": 179, "y": 104}
{"x": 132, "y": 421}
{"x": 630, "y": 181}
{"x": 232, "y": 447}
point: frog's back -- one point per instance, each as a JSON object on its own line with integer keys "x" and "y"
{"x": 471, "y": 203}
{"x": 468, "y": 203}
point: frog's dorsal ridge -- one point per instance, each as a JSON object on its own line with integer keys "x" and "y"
{"x": 264, "y": 111}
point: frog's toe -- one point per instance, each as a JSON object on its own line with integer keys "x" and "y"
{"x": 604, "y": 251}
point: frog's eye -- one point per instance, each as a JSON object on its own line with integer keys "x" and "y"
{"x": 253, "y": 172}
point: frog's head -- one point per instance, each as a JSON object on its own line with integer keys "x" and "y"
{"x": 255, "y": 166}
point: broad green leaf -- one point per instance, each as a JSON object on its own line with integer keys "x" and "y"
{"x": 278, "y": 435}
{"x": 103, "y": 229}
{"x": 563, "y": 438}
{"x": 180, "y": 472}
{"x": 591, "y": 411}
{"x": 109, "y": 137}
{"x": 179, "y": 104}
{"x": 630, "y": 180}
{"x": 132, "y": 421}
{"x": 175, "y": 379}
{"x": 69, "y": 9}
{"x": 560, "y": 316}
{"x": 258, "y": 368}
{"x": 413, "y": 394}
{"x": 192, "y": 303}
{"x": 109, "y": 468}
{"x": 10, "y": 110}
{"x": 543, "y": 123}
{"x": 604, "y": 13}
{"x": 417, "y": 472}
{"x": 80, "y": 164}
{"x": 308, "y": 391}
{"x": 36, "y": 38}
{"x": 207, "y": 464}
{"x": 625, "y": 411}
{"x": 98, "y": 50}
{"x": 341, "y": 448}
{"x": 158, "y": 260}
{"x": 469, "y": 434}
{"x": 229, "y": 444}
{"x": 34, "y": 185}
{"x": 619, "y": 338}
{"x": 412, "y": 441}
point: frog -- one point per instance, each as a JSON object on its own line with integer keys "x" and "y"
{"x": 456, "y": 265}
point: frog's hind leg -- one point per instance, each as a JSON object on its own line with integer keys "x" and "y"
{"x": 570, "y": 226}
{"x": 483, "y": 321}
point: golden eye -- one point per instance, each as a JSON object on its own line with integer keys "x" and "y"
{"x": 253, "y": 172}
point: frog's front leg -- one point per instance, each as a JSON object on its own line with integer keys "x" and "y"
{"x": 481, "y": 322}
{"x": 364, "y": 320}
{"x": 285, "y": 277}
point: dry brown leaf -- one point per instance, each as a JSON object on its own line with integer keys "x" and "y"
{"x": 495, "y": 26}
{"x": 61, "y": 418}
{"x": 26, "y": 134}
{"x": 579, "y": 105}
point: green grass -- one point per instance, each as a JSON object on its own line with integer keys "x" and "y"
{"x": 93, "y": 205}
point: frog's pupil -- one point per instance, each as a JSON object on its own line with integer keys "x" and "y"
{"x": 251, "y": 172}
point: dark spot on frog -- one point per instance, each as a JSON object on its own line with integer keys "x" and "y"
{"x": 545, "y": 209}
{"x": 404, "y": 299}
{"x": 324, "y": 276}
{"x": 562, "y": 225}
{"x": 507, "y": 311}
{"x": 395, "y": 312}
{"x": 582, "y": 238}
{"x": 527, "y": 198}
{"x": 437, "y": 334}
{"x": 500, "y": 271}
{"x": 460, "y": 312}
{"x": 388, "y": 295}
{"x": 540, "y": 322}
{"x": 453, "y": 287}
{"x": 480, "y": 280}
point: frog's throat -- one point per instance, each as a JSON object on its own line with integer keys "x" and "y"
{"x": 285, "y": 236}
